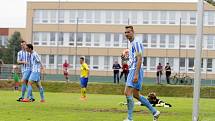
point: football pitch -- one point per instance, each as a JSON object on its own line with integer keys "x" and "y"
{"x": 69, "y": 107}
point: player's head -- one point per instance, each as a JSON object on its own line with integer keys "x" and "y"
{"x": 126, "y": 52}
{"x": 129, "y": 33}
{"x": 81, "y": 60}
{"x": 23, "y": 44}
{"x": 152, "y": 96}
{"x": 29, "y": 48}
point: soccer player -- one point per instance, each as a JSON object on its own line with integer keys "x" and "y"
{"x": 155, "y": 102}
{"x": 23, "y": 58}
{"x": 65, "y": 70}
{"x": 84, "y": 78}
{"x": 36, "y": 65}
{"x": 135, "y": 76}
{"x": 16, "y": 78}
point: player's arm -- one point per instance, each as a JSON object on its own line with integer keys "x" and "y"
{"x": 38, "y": 60}
{"x": 139, "y": 54}
{"x": 19, "y": 59}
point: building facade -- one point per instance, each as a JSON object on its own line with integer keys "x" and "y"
{"x": 67, "y": 30}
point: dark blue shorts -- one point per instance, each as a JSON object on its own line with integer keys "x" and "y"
{"x": 83, "y": 82}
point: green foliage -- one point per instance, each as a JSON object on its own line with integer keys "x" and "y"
{"x": 10, "y": 53}
{"x": 212, "y": 2}
{"x": 69, "y": 107}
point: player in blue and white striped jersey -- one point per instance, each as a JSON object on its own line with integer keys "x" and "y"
{"x": 135, "y": 76}
{"x": 23, "y": 58}
{"x": 36, "y": 65}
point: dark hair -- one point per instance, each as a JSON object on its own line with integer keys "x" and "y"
{"x": 30, "y": 46}
{"x": 22, "y": 41}
{"x": 131, "y": 27}
{"x": 82, "y": 58}
{"x": 152, "y": 96}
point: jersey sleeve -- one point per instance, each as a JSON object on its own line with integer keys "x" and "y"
{"x": 138, "y": 48}
{"x": 37, "y": 58}
{"x": 19, "y": 56}
{"x": 85, "y": 66}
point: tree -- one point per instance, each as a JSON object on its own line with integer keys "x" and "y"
{"x": 212, "y": 2}
{"x": 10, "y": 54}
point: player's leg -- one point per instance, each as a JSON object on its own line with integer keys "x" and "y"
{"x": 40, "y": 87}
{"x": 85, "y": 87}
{"x": 25, "y": 77}
{"x": 82, "y": 87}
{"x": 142, "y": 99}
{"x": 129, "y": 95}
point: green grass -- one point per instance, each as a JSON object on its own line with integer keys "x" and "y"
{"x": 98, "y": 107}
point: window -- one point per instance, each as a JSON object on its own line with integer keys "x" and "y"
{"x": 88, "y": 39}
{"x": 89, "y": 16}
{"x": 107, "y": 40}
{"x": 43, "y": 59}
{"x": 77, "y": 61}
{"x": 80, "y": 39}
{"x": 154, "y": 17}
{"x": 87, "y": 60}
{"x": 134, "y": 17}
{"x": 170, "y": 61}
{"x": 171, "y": 41}
{"x": 97, "y": 16}
{"x": 210, "y": 41}
{"x": 145, "y": 40}
{"x": 145, "y": 62}
{"x": 162, "y": 41}
{"x": 116, "y": 40}
{"x": 51, "y": 59}
{"x": 172, "y": 17}
{"x": 71, "y": 38}
{"x": 53, "y": 16}
{"x": 124, "y": 41}
{"x": 37, "y": 16}
{"x": 45, "y": 16}
{"x": 108, "y": 16}
{"x": 59, "y": 61}
{"x": 153, "y": 40}
{"x": 95, "y": 62}
{"x": 209, "y": 64}
{"x": 36, "y": 38}
{"x": 191, "y": 64}
{"x": 184, "y": 17}
{"x": 106, "y": 62}
{"x": 117, "y": 17}
{"x": 191, "y": 41}
{"x": 163, "y": 17}
{"x": 60, "y": 38}
{"x": 183, "y": 40}
{"x": 72, "y": 16}
{"x": 152, "y": 63}
{"x": 192, "y": 17}
{"x": 211, "y": 17}
{"x": 162, "y": 61}
{"x": 182, "y": 63}
{"x": 52, "y": 38}
{"x": 96, "y": 39}
{"x": 44, "y": 38}
{"x": 70, "y": 60}
{"x": 145, "y": 17}
{"x": 125, "y": 17}
{"x": 61, "y": 16}
{"x": 80, "y": 16}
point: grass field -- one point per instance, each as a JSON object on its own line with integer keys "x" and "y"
{"x": 68, "y": 107}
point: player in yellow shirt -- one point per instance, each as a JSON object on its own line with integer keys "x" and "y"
{"x": 84, "y": 78}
